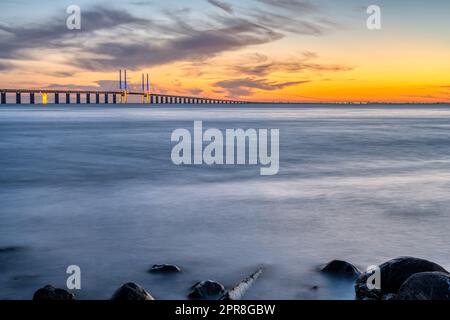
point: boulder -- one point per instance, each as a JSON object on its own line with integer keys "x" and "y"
{"x": 206, "y": 289}
{"x": 393, "y": 274}
{"x": 165, "y": 268}
{"x": 426, "y": 286}
{"x": 50, "y": 293}
{"x": 131, "y": 292}
{"x": 341, "y": 268}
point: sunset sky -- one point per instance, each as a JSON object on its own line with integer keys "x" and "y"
{"x": 261, "y": 50}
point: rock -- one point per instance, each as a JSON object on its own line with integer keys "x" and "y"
{"x": 11, "y": 249}
{"x": 131, "y": 292}
{"x": 49, "y": 293}
{"x": 393, "y": 274}
{"x": 206, "y": 289}
{"x": 165, "y": 268}
{"x": 341, "y": 268}
{"x": 389, "y": 296}
{"x": 426, "y": 286}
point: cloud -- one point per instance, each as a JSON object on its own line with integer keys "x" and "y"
{"x": 16, "y": 40}
{"x": 98, "y": 85}
{"x": 246, "y": 86}
{"x": 222, "y": 5}
{"x": 298, "y": 6}
{"x": 195, "y": 91}
{"x": 141, "y": 3}
{"x": 4, "y": 66}
{"x": 112, "y": 38}
{"x": 263, "y": 66}
{"x": 186, "y": 44}
{"x": 290, "y": 67}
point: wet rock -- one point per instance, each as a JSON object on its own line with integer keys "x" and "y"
{"x": 165, "y": 268}
{"x": 131, "y": 292}
{"x": 393, "y": 274}
{"x": 426, "y": 286}
{"x": 206, "y": 289}
{"x": 11, "y": 249}
{"x": 50, "y": 293}
{"x": 341, "y": 268}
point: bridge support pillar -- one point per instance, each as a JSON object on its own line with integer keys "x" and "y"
{"x": 67, "y": 98}
{"x": 18, "y": 98}
{"x": 114, "y": 98}
{"x": 88, "y": 98}
{"x": 56, "y": 98}
{"x": 31, "y": 98}
{"x": 97, "y": 98}
{"x": 3, "y": 97}
{"x": 152, "y": 99}
{"x": 78, "y": 98}
{"x": 106, "y": 98}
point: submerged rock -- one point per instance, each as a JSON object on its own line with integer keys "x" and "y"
{"x": 341, "y": 268}
{"x": 11, "y": 249}
{"x": 50, "y": 293}
{"x": 389, "y": 296}
{"x": 165, "y": 268}
{"x": 426, "y": 286}
{"x": 131, "y": 292}
{"x": 206, "y": 289}
{"x": 393, "y": 274}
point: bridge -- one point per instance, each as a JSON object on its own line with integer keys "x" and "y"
{"x": 119, "y": 96}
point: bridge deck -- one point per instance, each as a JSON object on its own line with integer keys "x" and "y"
{"x": 160, "y": 97}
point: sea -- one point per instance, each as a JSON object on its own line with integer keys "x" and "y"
{"x": 95, "y": 186}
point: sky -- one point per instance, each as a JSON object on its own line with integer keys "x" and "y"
{"x": 256, "y": 50}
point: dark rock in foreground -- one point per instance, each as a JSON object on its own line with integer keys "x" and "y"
{"x": 426, "y": 286}
{"x": 131, "y": 292}
{"x": 341, "y": 268}
{"x": 206, "y": 289}
{"x": 165, "y": 268}
{"x": 393, "y": 274}
{"x": 50, "y": 293}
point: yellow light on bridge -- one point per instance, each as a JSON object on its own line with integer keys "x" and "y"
{"x": 44, "y": 98}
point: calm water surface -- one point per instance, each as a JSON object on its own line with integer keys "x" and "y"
{"x": 95, "y": 187}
